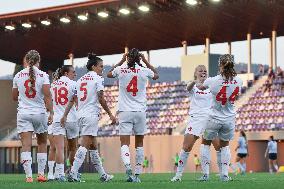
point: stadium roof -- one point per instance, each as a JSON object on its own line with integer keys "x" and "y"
{"x": 166, "y": 24}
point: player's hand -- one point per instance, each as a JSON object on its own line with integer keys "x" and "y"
{"x": 113, "y": 119}
{"x": 143, "y": 58}
{"x": 63, "y": 121}
{"x": 50, "y": 119}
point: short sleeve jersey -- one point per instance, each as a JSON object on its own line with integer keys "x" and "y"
{"x": 31, "y": 99}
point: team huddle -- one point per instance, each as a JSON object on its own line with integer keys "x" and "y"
{"x": 70, "y": 109}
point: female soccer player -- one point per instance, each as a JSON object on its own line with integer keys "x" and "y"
{"x": 90, "y": 92}
{"x": 225, "y": 88}
{"x": 132, "y": 104}
{"x": 63, "y": 89}
{"x": 200, "y": 105}
{"x": 32, "y": 89}
{"x": 242, "y": 152}
{"x": 272, "y": 154}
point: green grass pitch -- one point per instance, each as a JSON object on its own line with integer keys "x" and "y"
{"x": 153, "y": 181}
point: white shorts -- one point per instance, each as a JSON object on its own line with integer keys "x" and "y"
{"x": 71, "y": 130}
{"x": 132, "y": 123}
{"x": 196, "y": 125}
{"x": 49, "y": 129}
{"x": 224, "y": 130}
{"x": 88, "y": 126}
{"x": 32, "y": 123}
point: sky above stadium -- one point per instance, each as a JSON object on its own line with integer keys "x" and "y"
{"x": 164, "y": 57}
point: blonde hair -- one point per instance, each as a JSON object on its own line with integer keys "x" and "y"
{"x": 199, "y": 66}
{"x": 32, "y": 58}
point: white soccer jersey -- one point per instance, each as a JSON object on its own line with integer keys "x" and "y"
{"x": 30, "y": 99}
{"x": 62, "y": 91}
{"x": 87, "y": 87}
{"x": 242, "y": 145}
{"x": 272, "y": 147}
{"x": 224, "y": 94}
{"x": 132, "y": 87}
{"x": 200, "y": 102}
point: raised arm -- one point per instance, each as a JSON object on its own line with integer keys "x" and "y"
{"x": 190, "y": 86}
{"x": 109, "y": 74}
{"x": 156, "y": 75}
{"x": 105, "y": 106}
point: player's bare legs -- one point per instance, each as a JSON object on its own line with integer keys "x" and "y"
{"x": 188, "y": 142}
{"x": 72, "y": 147}
{"x": 89, "y": 143}
{"x": 51, "y": 158}
{"x": 26, "y": 157}
{"x": 59, "y": 158}
{"x": 41, "y": 155}
{"x": 125, "y": 155}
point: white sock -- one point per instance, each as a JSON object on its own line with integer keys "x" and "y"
{"x": 139, "y": 160}
{"x": 183, "y": 155}
{"x": 219, "y": 161}
{"x": 59, "y": 169}
{"x": 41, "y": 162}
{"x": 244, "y": 165}
{"x": 96, "y": 160}
{"x": 125, "y": 156}
{"x": 205, "y": 158}
{"x": 276, "y": 167}
{"x": 50, "y": 167}
{"x": 240, "y": 166}
{"x": 26, "y": 161}
{"x": 225, "y": 160}
{"x": 79, "y": 159}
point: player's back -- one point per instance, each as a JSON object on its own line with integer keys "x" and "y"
{"x": 31, "y": 99}
{"x": 272, "y": 147}
{"x": 87, "y": 87}
{"x": 132, "y": 87}
{"x": 224, "y": 93}
{"x": 242, "y": 145}
{"x": 63, "y": 91}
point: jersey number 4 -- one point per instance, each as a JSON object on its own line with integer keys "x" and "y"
{"x": 132, "y": 86}
{"x": 222, "y": 97}
{"x": 60, "y": 95}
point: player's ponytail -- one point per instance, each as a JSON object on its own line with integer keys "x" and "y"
{"x": 32, "y": 58}
{"x": 92, "y": 61}
{"x": 244, "y": 135}
{"x": 61, "y": 72}
{"x": 133, "y": 58}
{"x": 226, "y": 63}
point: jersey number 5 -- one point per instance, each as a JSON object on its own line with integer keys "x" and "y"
{"x": 221, "y": 96}
{"x": 132, "y": 86}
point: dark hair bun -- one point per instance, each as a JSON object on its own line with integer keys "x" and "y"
{"x": 92, "y": 56}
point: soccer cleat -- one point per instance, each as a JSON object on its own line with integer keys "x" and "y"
{"x": 41, "y": 178}
{"x": 204, "y": 178}
{"x": 106, "y": 177}
{"x": 225, "y": 178}
{"x": 136, "y": 179}
{"x": 29, "y": 180}
{"x": 61, "y": 178}
{"x": 50, "y": 178}
{"x": 176, "y": 178}
{"x": 71, "y": 177}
